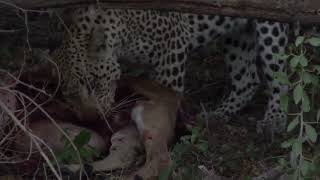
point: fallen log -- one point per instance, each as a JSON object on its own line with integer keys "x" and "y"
{"x": 307, "y": 11}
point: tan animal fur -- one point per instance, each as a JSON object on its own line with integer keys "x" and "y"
{"x": 51, "y": 135}
{"x": 155, "y": 121}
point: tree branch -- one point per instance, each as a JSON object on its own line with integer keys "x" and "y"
{"x": 307, "y": 11}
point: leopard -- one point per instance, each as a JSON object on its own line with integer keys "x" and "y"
{"x": 97, "y": 38}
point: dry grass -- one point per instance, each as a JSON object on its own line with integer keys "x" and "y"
{"x": 16, "y": 120}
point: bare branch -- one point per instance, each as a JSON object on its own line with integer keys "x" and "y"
{"x": 306, "y": 11}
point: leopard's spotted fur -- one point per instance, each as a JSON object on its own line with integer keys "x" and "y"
{"x": 164, "y": 40}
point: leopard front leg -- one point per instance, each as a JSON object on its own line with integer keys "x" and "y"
{"x": 272, "y": 40}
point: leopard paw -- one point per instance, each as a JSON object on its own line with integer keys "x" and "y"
{"x": 271, "y": 126}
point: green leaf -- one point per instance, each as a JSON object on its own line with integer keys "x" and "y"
{"x": 284, "y": 102}
{"x": 315, "y": 80}
{"x": 186, "y": 139}
{"x": 203, "y": 146}
{"x": 288, "y": 143}
{"x": 86, "y": 154}
{"x": 189, "y": 127}
{"x": 311, "y": 133}
{"x": 293, "y": 124}
{"x": 282, "y": 78}
{"x": 294, "y": 61}
{"x": 193, "y": 139}
{"x": 165, "y": 173}
{"x": 297, "y": 94}
{"x": 314, "y": 41}
{"x": 68, "y": 155}
{"x": 82, "y": 139}
{"x": 305, "y": 102}
{"x": 306, "y": 77}
{"x": 305, "y": 167}
{"x": 295, "y": 175}
{"x": 195, "y": 131}
{"x": 303, "y": 61}
{"x": 299, "y": 40}
{"x": 180, "y": 149}
{"x": 297, "y": 148}
{"x": 282, "y": 162}
{"x": 282, "y": 56}
{"x": 293, "y": 159}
